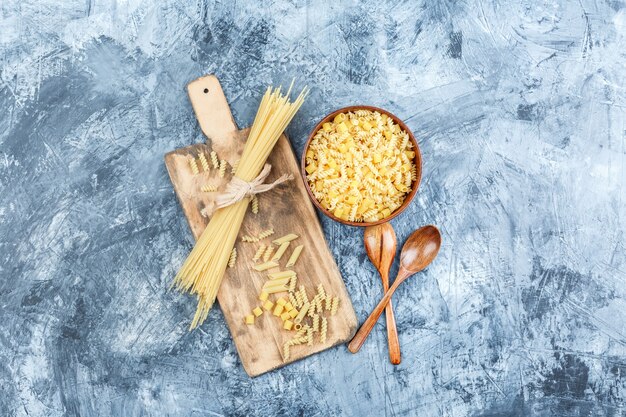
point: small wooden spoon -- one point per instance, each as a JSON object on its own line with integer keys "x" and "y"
{"x": 380, "y": 245}
{"x": 418, "y": 252}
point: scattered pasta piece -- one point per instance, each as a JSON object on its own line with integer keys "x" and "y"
{"x": 293, "y": 313}
{"x": 276, "y": 289}
{"x": 281, "y": 250}
{"x": 208, "y": 188}
{"x": 324, "y": 330}
{"x": 276, "y": 282}
{"x": 288, "y": 325}
{"x": 233, "y": 258}
{"x": 294, "y": 256}
{"x": 316, "y": 323}
{"x": 263, "y": 296}
{"x": 334, "y": 307}
{"x": 255, "y": 204}
{"x": 282, "y": 274}
{"x": 286, "y": 238}
{"x": 281, "y": 301}
{"x": 234, "y": 167}
{"x": 293, "y": 300}
{"x": 268, "y": 305}
{"x": 285, "y": 316}
{"x": 222, "y": 170}
{"x": 321, "y": 291}
{"x": 278, "y": 310}
{"x": 265, "y": 266}
{"x": 214, "y": 160}
{"x": 292, "y": 283}
{"x": 286, "y": 351}
{"x": 298, "y": 341}
{"x": 328, "y": 303}
{"x": 318, "y": 305}
{"x": 301, "y": 331}
{"x": 309, "y": 336}
{"x": 249, "y": 319}
{"x": 248, "y": 238}
{"x": 203, "y": 162}
{"x": 257, "y": 311}
{"x": 302, "y": 313}
{"x": 259, "y": 253}
{"x": 266, "y": 233}
{"x": 194, "y": 166}
{"x": 305, "y": 297}
{"x": 268, "y": 254}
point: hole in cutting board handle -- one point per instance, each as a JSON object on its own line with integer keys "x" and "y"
{"x": 206, "y": 91}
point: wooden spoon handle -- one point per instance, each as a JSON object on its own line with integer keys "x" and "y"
{"x": 360, "y": 336}
{"x": 392, "y": 335}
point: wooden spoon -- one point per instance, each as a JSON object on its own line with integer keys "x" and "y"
{"x": 380, "y": 245}
{"x": 417, "y": 253}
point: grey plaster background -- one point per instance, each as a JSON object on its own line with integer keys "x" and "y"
{"x": 520, "y": 112}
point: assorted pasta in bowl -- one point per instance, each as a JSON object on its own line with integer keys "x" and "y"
{"x": 361, "y": 165}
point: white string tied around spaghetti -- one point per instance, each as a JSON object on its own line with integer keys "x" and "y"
{"x": 238, "y": 189}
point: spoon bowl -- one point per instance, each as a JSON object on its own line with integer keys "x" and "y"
{"x": 418, "y": 252}
{"x": 380, "y": 246}
{"x": 420, "y": 249}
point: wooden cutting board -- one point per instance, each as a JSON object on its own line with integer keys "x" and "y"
{"x": 286, "y": 209}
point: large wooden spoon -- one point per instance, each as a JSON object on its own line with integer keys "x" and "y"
{"x": 418, "y": 252}
{"x": 380, "y": 245}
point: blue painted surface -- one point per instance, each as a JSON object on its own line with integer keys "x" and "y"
{"x": 520, "y": 114}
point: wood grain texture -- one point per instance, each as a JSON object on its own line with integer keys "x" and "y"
{"x": 286, "y": 209}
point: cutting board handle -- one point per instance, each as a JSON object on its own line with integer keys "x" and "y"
{"x": 211, "y": 108}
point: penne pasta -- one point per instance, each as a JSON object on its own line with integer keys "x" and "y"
{"x": 286, "y": 238}
{"x": 294, "y": 256}
{"x": 265, "y": 266}
{"x": 281, "y": 274}
{"x": 281, "y": 250}
{"x": 302, "y": 313}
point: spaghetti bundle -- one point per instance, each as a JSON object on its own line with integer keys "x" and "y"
{"x": 202, "y": 272}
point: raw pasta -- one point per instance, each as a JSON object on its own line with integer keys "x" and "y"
{"x": 294, "y": 256}
{"x": 334, "y": 307}
{"x": 222, "y": 170}
{"x": 208, "y": 188}
{"x": 316, "y": 323}
{"x": 194, "y": 166}
{"x": 265, "y": 266}
{"x": 281, "y": 250}
{"x": 268, "y": 254}
{"x": 360, "y": 166}
{"x": 282, "y": 274}
{"x": 324, "y": 330}
{"x": 214, "y": 160}
{"x": 266, "y": 233}
{"x": 286, "y": 238}
{"x": 255, "y": 204}
{"x": 204, "y": 268}
{"x": 259, "y": 253}
{"x": 233, "y": 258}
{"x": 203, "y": 162}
